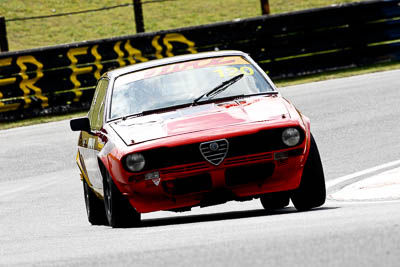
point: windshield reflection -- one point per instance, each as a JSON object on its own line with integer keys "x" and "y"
{"x": 137, "y": 94}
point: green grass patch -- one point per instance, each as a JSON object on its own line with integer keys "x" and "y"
{"x": 120, "y": 21}
{"x": 39, "y": 120}
{"x": 327, "y": 75}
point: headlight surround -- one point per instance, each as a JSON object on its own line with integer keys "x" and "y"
{"x": 291, "y": 137}
{"x": 135, "y": 162}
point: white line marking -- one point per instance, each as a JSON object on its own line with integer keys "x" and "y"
{"x": 345, "y": 178}
{"x": 382, "y": 186}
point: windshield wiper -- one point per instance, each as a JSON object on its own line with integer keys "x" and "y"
{"x": 162, "y": 109}
{"x": 219, "y": 88}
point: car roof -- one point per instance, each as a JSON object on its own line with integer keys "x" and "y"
{"x": 164, "y": 61}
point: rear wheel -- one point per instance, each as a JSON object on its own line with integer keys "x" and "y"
{"x": 276, "y": 200}
{"x": 94, "y": 206}
{"x": 119, "y": 211}
{"x": 311, "y": 192}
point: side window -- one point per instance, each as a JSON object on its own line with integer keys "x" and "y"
{"x": 96, "y": 113}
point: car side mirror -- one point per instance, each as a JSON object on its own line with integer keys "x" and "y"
{"x": 80, "y": 124}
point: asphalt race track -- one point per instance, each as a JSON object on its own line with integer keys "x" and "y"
{"x": 356, "y": 123}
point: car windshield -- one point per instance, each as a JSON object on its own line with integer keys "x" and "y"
{"x": 183, "y": 83}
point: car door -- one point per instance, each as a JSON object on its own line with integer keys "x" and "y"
{"x": 92, "y": 142}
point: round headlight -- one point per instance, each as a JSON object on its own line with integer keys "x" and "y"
{"x": 135, "y": 162}
{"x": 291, "y": 136}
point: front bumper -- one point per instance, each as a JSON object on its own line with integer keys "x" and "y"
{"x": 203, "y": 184}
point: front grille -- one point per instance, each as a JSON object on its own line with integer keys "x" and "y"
{"x": 263, "y": 141}
{"x": 260, "y": 142}
{"x": 248, "y": 174}
{"x": 165, "y": 157}
{"x": 214, "y": 151}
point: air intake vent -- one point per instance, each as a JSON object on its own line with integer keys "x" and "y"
{"x": 214, "y": 151}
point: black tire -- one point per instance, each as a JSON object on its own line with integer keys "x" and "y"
{"x": 119, "y": 211}
{"x": 94, "y": 206}
{"x": 311, "y": 192}
{"x": 276, "y": 200}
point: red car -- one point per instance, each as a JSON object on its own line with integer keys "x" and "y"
{"x": 193, "y": 130}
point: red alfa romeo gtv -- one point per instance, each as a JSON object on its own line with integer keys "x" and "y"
{"x": 193, "y": 130}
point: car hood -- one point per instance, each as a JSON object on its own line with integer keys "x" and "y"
{"x": 201, "y": 117}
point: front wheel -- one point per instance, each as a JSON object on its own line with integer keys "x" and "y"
{"x": 311, "y": 192}
{"x": 119, "y": 211}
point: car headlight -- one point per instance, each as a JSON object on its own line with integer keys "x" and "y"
{"x": 291, "y": 136}
{"x": 135, "y": 162}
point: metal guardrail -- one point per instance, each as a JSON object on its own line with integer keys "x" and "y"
{"x": 59, "y": 78}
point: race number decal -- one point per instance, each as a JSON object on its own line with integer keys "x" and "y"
{"x": 233, "y": 71}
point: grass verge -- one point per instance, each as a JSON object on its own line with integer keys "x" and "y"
{"x": 39, "y": 120}
{"x": 24, "y": 34}
{"x": 338, "y": 74}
